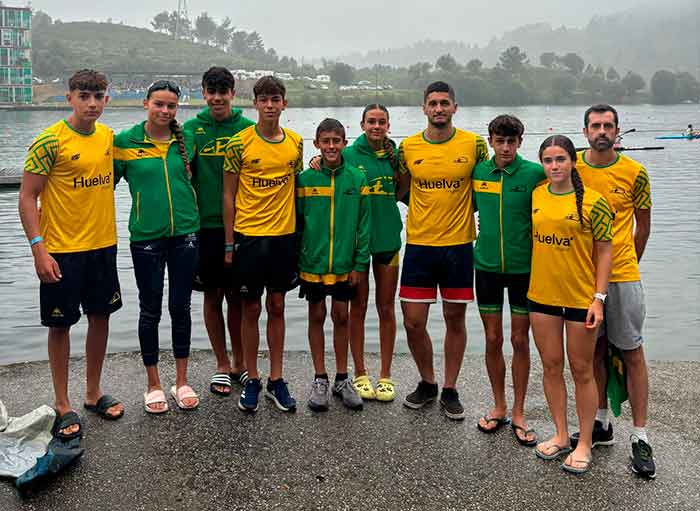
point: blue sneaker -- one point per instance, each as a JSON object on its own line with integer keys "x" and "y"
{"x": 279, "y": 393}
{"x": 249, "y": 397}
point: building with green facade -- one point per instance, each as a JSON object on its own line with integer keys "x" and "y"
{"x": 15, "y": 55}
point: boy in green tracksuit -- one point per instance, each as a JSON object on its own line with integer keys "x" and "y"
{"x": 503, "y": 188}
{"x": 211, "y": 130}
{"x": 333, "y": 219}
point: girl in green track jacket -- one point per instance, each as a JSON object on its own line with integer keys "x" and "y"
{"x": 153, "y": 157}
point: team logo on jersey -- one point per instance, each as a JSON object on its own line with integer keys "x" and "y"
{"x": 572, "y": 216}
{"x": 553, "y": 240}
{"x": 255, "y": 161}
{"x": 141, "y": 153}
{"x": 461, "y": 159}
{"x": 75, "y": 157}
{"x": 535, "y": 210}
{"x": 215, "y": 147}
{"x": 417, "y": 162}
{"x": 199, "y": 131}
{"x": 620, "y": 191}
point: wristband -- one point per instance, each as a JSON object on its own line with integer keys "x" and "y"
{"x": 35, "y": 240}
{"x": 228, "y": 247}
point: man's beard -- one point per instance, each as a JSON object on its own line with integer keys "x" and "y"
{"x": 602, "y": 143}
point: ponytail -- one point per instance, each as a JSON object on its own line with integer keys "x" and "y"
{"x": 578, "y": 189}
{"x": 177, "y": 132}
{"x": 391, "y": 152}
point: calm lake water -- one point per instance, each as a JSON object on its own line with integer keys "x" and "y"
{"x": 670, "y": 268}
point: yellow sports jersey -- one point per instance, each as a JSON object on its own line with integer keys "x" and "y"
{"x": 266, "y": 170}
{"x": 77, "y": 204}
{"x": 440, "y": 210}
{"x": 625, "y": 185}
{"x": 563, "y": 272}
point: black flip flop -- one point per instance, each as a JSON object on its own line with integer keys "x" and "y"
{"x": 220, "y": 380}
{"x": 239, "y": 378}
{"x": 103, "y": 404}
{"x": 65, "y": 421}
{"x": 526, "y": 432}
{"x": 500, "y": 422}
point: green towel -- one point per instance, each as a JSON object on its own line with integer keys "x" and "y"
{"x": 617, "y": 382}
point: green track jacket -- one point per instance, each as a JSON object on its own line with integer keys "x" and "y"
{"x": 210, "y": 137}
{"x": 385, "y": 231}
{"x": 333, "y": 218}
{"x": 503, "y": 198}
{"x": 163, "y": 201}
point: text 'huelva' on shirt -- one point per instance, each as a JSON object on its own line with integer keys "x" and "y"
{"x": 267, "y": 170}
{"x": 77, "y": 203}
{"x": 440, "y": 209}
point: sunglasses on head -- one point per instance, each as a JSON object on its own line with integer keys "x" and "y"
{"x": 163, "y": 85}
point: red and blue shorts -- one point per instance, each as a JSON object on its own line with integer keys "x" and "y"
{"x": 426, "y": 268}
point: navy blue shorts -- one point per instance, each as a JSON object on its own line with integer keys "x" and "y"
{"x": 426, "y": 268}
{"x": 490, "y": 287}
{"x": 89, "y": 281}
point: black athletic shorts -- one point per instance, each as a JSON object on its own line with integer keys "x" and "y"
{"x": 211, "y": 273}
{"x": 426, "y": 267}
{"x": 89, "y": 281}
{"x": 386, "y": 258}
{"x": 568, "y": 313}
{"x": 315, "y": 292}
{"x": 264, "y": 262}
{"x": 490, "y": 287}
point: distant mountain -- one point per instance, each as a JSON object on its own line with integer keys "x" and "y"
{"x": 655, "y": 36}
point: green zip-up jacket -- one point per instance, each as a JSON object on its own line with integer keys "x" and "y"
{"x": 385, "y": 231}
{"x": 333, "y": 218}
{"x": 163, "y": 202}
{"x": 503, "y": 198}
{"x": 210, "y": 137}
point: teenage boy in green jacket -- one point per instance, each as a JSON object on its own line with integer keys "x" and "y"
{"x": 333, "y": 219}
{"x": 503, "y": 188}
{"x": 211, "y": 130}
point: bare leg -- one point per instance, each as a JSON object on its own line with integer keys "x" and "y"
{"x": 339, "y": 315}
{"x": 519, "y": 327}
{"x": 358, "y": 312}
{"x": 181, "y": 379}
{"x": 455, "y": 340}
{"x": 234, "y": 329}
{"x": 386, "y": 279}
{"x": 317, "y": 317}
{"x": 275, "y": 333}
{"x": 495, "y": 367}
{"x": 600, "y": 370}
{"x": 415, "y": 319}
{"x": 154, "y": 384}
{"x": 216, "y": 329}
{"x": 95, "y": 349}
{"x": 250, "y": 335}
{"x": 637, "y": 385}
{"x": 59, "y": 356}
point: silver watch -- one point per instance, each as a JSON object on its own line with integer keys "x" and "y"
{"x": 601, "y": 296}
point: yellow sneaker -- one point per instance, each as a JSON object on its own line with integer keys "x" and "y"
{"x": 385, "y": 390}
{"x": 363, "y": 385}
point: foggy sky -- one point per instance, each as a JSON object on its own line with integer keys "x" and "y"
{"x": 313, "y": 28}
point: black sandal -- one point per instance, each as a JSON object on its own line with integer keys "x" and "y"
{"x": 221, "y": 380}
{"x": 103, "y": 404}
{"x": 524, "y": 441}
{"x": 65, "y": 421}
{"x": 500, "y": 422}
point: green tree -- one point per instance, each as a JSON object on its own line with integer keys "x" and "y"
{"x": 513, "y": 60}
{"x": 563, "y": 87}
{"x": 161, "y": 22}
{"x": 688, "y": 87}
{"x": 548, "y": 59}
{"x": 612, "y": 75}
{"x": 222, "y": 34}
{"x": 664, "y": 87}
{"x": 342, "y": 74}
{"x": 204, "y": 28}
{"x": 447, "y": 63}
{"x": 633, "y": 83}
{"x": 41, "y": 21}
{"x": 573, "y": 63}
{"x": 474, "y": 66}
{"x": 419, "y": 70}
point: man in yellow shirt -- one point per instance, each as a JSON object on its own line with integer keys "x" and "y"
{"x": 625, "y": 185}
{"x": 74, "y": 240}
{"x": 260, "y": 167}
{"x": 437, "y": 165}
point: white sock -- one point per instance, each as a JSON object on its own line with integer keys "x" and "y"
{"x": 602, "y": 416}
{"x": 640, "y": 433}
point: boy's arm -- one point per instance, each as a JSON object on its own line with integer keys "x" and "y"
{"x": 233, "y": 163}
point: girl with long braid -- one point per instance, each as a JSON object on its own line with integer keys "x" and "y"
{"x": 571, "y": 262}
{"x": 154, "y": 158}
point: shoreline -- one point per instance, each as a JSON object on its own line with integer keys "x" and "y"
{"x": 384, "y": 457}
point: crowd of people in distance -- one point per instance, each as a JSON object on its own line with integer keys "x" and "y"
{"x": 226, "y": 206}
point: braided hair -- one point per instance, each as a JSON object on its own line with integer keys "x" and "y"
{"x": 176, "y": 130}
{"x": 568, "y": 146}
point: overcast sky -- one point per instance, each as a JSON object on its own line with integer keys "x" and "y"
{"x": 313, "y": 28}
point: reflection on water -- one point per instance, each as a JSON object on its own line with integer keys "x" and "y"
{"x": 670, "y": 267}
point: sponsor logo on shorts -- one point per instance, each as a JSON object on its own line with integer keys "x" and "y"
{"x": 261, "y": 182}
{"x": 56, "y": 313}
{"x": 115, "y": 298}
{"x": 439, "y": 184}
{"x": 553, "y": 240}
{"x": 243, "y": 289}
{"x": 99, "y": 180}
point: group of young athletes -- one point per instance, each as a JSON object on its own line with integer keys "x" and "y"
{"x": 225, "y": 205}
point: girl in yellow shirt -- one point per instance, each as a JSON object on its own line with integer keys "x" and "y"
{"x": 571, "y": 262}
